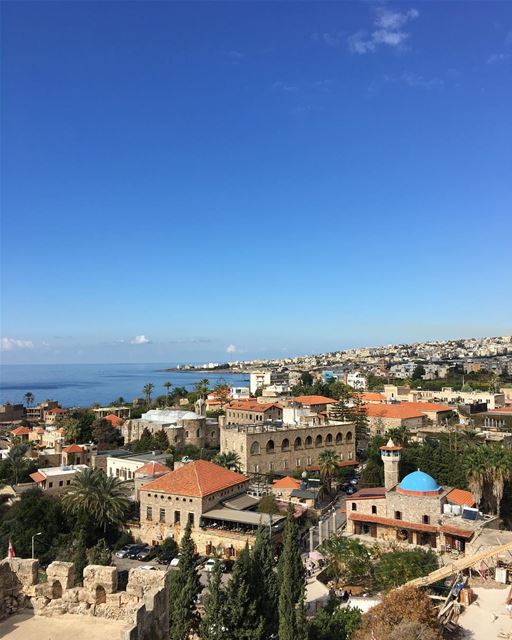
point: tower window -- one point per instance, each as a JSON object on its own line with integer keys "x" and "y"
{"x": 354, "y": 506}
{"x": 398, "y": 515}
{"x": 374, "y": 509}
{"x": 426, "y": 519}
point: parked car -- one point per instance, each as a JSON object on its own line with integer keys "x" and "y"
{"x": 209, "y": 564}
{"x": 175, "y": 561}
{"x": 148, "y": 553}
{"x": 135, "y": 550}
{"x": 354, "y": 481}
{"x": 148, "y": 567}
{"x": 165, "y": 558}
{"x": 124, "y": 552}
{"x": 350, "y": 490}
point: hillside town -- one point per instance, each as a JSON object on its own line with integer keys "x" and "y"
{"x": 358, "y": 486}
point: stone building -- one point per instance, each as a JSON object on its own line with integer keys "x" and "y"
{"x": 211, "y": 498}
{"x": 181, "y": 427}
{"x": 251, "y": 412}
{"x": 280, "y": 447}
{"x": 415, "y": 511}
{"x": 413, "y": 415}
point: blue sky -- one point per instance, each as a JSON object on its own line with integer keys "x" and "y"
{"x": 197, "y": 181}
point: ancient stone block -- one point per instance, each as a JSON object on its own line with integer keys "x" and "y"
{"x": 98, "y": 576}
{"x": 61, "y": 576}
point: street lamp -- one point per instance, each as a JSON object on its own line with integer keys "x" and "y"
{"x": 35, "y": 534}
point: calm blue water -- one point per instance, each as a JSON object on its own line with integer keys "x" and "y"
{"x": 86, "y": 384}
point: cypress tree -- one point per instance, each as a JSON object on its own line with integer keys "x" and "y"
{"x": 80, "y": 555}
{"x": 214, "y": 623}
{"x": 291, "y": 582}
{"x": 183, "y": 590}
{"x": 244, "y": 621}
{"x": 265, "y": 592}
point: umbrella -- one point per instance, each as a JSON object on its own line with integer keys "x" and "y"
{"x": 316, "y": 555}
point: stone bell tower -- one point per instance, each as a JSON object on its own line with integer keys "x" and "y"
{"x": 390, "y": 455}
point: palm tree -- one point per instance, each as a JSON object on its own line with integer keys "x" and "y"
{"x": 148, "y": 389}
{"x": 229, "y": 460}
{"x": 476, "y": 468}
{"x": 95, "y": 495}
{"x": 167, "y": 385}
{"x": 499, "y": 470}
{"x": 16, "y": 461}
{"x": 328, "y": 461}
{"x": 29, "y": 398}
{"x": 202, "y": 387}
{"x": 399, "y": 435}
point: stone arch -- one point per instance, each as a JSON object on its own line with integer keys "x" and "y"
{"x": 298, "y": 443}
{"x": 318, "y": 441}
{"x": 270, "y": 446}
{"x": 285, "y": 445}
{"x": 348, "y": 437}
{"x": 255, "y": 448}
{"x": 56, "y": 589}
{"x": 308, "y": 442}
{"x": 100, "y": 594}
{"x": 339, "y": 438}
{"x": 328, "y": 438}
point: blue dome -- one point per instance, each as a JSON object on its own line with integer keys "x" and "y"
{"x": 420, "y": 482}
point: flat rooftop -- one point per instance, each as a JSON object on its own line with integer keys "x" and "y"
{"x": 58, "y": 471}
{"x": 243, "y": 517}
{"x": 278, "y": 425}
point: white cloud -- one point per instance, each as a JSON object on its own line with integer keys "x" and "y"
{"x": 388, "y": 31}
{"x": 231, "y": 348}
{"x": 498, "y": 57}
{"x": 284, "y": 86}
{"x": 140, "y": 340}
{"x": 8, "y": 344}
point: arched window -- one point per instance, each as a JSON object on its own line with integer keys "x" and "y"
{"x": 298, "y": 443}
{"x": 318, "y": 441}
{"x": 339, "y": 438}
{"x": 349, "y": 436}
{"x": 270, "y": 446}
{"x": 56, "y": 589}
{"x": 255, "y": 448}
{"x": 186, "y": 434}
{"x": 309, "y": 441}
{"x": 328, "y": 438}
{"x": 285, "y": 445}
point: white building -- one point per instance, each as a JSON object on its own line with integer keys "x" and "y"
{"x": 239, "y": 393}
{"x": 125, "y": 467}
{"x": 357, "y": 380}
{"x": 55, "y": 480}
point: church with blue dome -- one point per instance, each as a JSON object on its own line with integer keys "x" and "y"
{"x": 416, "y": 510}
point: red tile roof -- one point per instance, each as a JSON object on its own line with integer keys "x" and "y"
{"x": 403, "y": 410}
{"x": 73, "y": 448}
{"x": 370, "y": 396}
{"x": 312, "y": 400}
{"x": 152, "y": 469}
{"x": 391, "y": 522}
{"x": 252, "y": 405}
{"x": 56, "y": 411}
{"x": 37, "y": 476}
{"x": 115, "y": 421}
{"x": 459, "y": 496}
{"x": 20, "y": 431}
{"x": 196, "y": 479}
{"x": 505, "y": 410}
{"x": 286, "y": 483}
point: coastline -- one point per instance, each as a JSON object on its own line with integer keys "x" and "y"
{"x": 175, "y": 370}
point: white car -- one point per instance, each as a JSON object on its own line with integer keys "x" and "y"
{"x": 175, "y": 562}
{"x": 148, "y": 567}
{"x": 209, "y": 564}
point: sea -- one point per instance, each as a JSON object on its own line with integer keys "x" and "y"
{"x": 82, "y": 385}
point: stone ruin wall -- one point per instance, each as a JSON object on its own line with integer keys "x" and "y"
{"x": 143, "y": 606}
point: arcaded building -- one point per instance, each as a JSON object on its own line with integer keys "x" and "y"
{"x": 181, "y": 427}
{"x": 280, "y": 447}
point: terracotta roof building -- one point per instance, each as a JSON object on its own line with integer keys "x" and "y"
{"x": 203, "y": 494}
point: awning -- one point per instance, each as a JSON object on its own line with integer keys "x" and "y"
{"x": 242, "y": 517}
{"x": 391, "y": 522}
{"x": 37, "y": 477}
{"x": 241, "y": 502}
